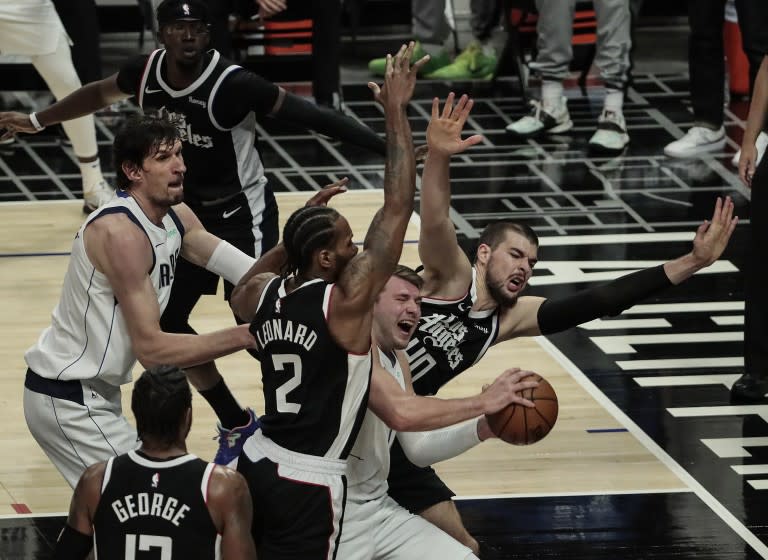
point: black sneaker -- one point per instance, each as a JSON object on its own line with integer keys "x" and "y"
{"x": 749, "y": 388}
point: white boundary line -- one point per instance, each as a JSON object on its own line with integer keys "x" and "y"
{"x": 680, "y": 490}
{"x": 695, "y": 486}
{"x": 32, "y": 515}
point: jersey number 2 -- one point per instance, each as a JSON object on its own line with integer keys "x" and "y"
{"x": 147, "y": 542}
{"x": 279, "y": 361}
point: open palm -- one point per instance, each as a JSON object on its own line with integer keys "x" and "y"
{"x": 444, "y": 130}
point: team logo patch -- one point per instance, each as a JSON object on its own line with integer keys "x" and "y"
{"x": 155, "y": 480}
{"x": 185, "y": 8}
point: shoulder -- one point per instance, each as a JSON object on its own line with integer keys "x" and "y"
{"x": 226, "y": 487}
{"x": 89, "y": 485}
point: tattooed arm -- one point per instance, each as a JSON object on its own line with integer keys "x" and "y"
{"x": 364, "y": 277}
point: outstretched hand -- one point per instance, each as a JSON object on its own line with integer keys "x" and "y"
{"x": 12, "y": 122}
{"x": 399, "y": 78}
{"x": 444, "y": 130}
{"x": 506, "y": 389}
{"x": 712, "y": 236}
{"x": 321, "y": 197}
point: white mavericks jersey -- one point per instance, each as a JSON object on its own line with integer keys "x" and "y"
{"x": 88, "y": 337}
{"x": 368, "y": 462}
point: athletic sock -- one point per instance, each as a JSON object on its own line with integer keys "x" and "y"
{"x": 614, "y": 100}
{"x": 551, "y": 93}
{"x": 227, "y": 409}
{"x": 91, "y": 173}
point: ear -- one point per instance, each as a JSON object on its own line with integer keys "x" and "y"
{"x": 131, "y": 170}
{"x": 483, "y": 253}
{"x": 325, "y": 258}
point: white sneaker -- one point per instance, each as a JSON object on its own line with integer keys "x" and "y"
{"x": 761, "y": 143}
{"x": 543, "y": 119}
{"x": 697, "y": 140}
{"x": 97, "y": 196}
{"x": 611, "y": 134}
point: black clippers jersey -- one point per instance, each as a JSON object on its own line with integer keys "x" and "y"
{"x": 449, "y": 339}
{"x": 315, "y": 392}
{"x": 155, "y": 509}
{"x": 225, "y": 161}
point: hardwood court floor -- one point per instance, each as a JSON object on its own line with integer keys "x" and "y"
{"x": 648, "y": 458}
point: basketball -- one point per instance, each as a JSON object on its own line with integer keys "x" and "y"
{"x": 520, "y": 425}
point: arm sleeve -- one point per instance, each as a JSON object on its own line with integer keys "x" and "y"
{"x": 243, "y": 92}
{"x": 129, "y": 75}
{"x": 426, "y": 448}
{"x": 72, "y": 544}
{"x": 605, "y": 300}
{"x": 301, "y": 112}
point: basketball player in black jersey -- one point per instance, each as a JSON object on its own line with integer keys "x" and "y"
{"x": 313, "y": 331}
{"x": 216, "y": 104}
{"x": 159, "y": 498}
{"x": 468, "y": 308}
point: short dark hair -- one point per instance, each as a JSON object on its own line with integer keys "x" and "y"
{"x": 160, "y": 399}
{"x": 496, "y": 232}
{"x": 409, "y": 275}
{"x": 308, "y": 229}
{"x": 140, "y": 137}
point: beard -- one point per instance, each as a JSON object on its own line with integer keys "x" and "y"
{"x": 503, "y": 298}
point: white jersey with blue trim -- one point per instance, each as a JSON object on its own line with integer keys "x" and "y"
{"x": 368, "y": 462}
{"x": 88, "y": 337}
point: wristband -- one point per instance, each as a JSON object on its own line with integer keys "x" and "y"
{"x": 35, "y": 122}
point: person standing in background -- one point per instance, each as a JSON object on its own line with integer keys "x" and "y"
{"x": 33, "y": 28}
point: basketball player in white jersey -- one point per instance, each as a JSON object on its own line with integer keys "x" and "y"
{"x": 159, "y": 498}
{"x": 375, "y": 526}
{"x": 32, "y": 28}
{"x": 117, "y": 284}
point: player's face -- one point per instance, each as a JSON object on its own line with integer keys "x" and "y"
{"x": 163, "y": 174}
{"x": 343, "y": 247}
{"x": 396, "y": 314}
{"x": 185, "y": 41}
{"x": 509, "y": 268}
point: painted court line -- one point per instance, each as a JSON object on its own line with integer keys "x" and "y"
{"x": 695, "y": 486}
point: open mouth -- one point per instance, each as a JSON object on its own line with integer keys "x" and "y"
{"x": 516, "y": 282}
{"x": 405, "y": 327}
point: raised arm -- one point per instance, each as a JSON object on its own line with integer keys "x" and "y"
{"x": 229, "y": 503}
{"x": 366, "y": 274}
{"x": 755, "y": 123}
{"x": 403, "y": 410}
{"x": 447, "y": 271}
{"x": 83, "y": 101}
{"x": 533, "y": 315}
{"x": 120, "y": 250}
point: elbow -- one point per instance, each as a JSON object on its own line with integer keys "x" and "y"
{"x": 147, "y": 354}
{"x": 238, "y": 302}
{"x": 402, "y": 422}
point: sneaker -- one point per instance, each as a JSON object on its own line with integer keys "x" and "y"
{"x": 611, "y": 134}
{"x": 749, "y": 388}
{"x": 378, "y": 65}
{"x": 97, "y": 196}
{"x": 697, "y": 140}
{"x": 231, "y": 441}
{"x": 543, "y": 119}
{"x": 471, "y": 64}
{"x": 760, "y": 144}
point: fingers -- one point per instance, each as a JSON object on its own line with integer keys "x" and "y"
{"x": 419, "y": 63}
{"x": 374, "y": 87}
{"x": 448, "y": 107}
{"x": 435, "y": 107}
{"x": 471, "y": 141}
